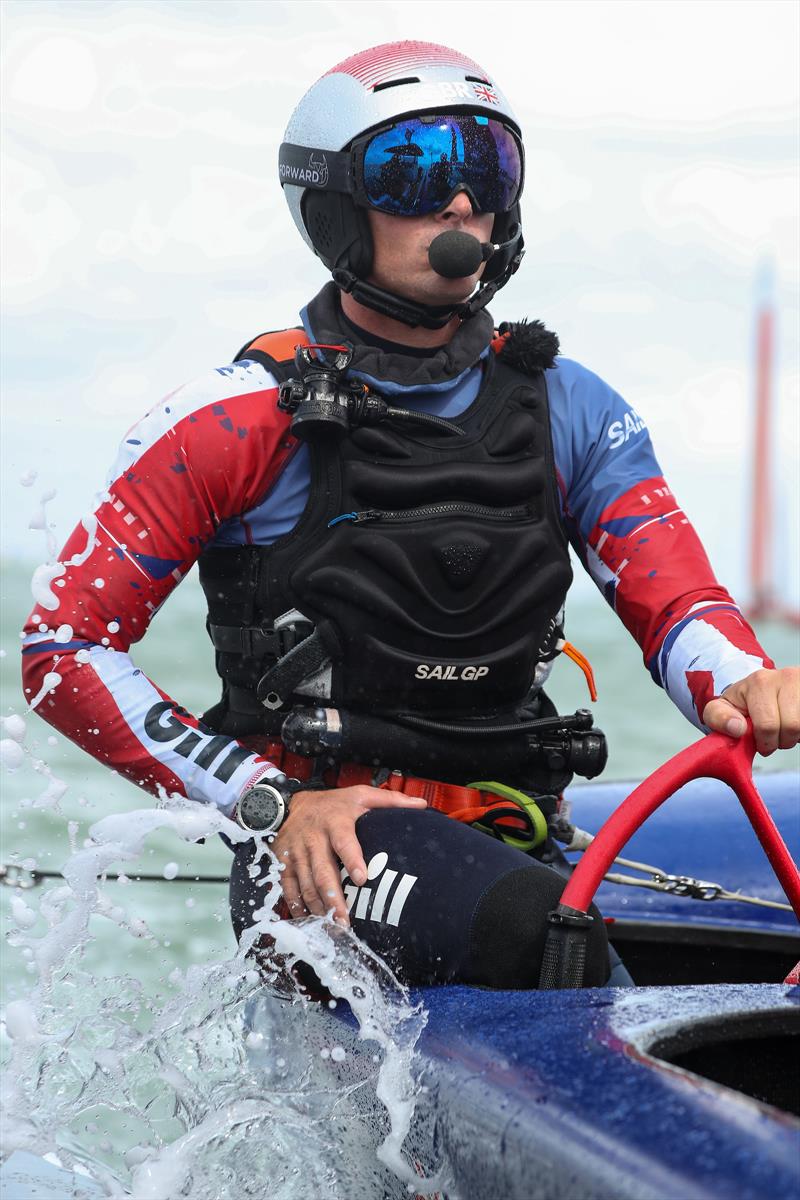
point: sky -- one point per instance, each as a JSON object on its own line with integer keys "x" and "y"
{"x": 146, "y": 238}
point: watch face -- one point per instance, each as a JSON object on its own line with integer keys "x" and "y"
{"x": 262, "y": 808}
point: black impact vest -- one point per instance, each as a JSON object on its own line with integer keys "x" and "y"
{"x": 430, "y": 565}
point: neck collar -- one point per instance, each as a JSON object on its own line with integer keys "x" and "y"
{"x": 441, "y": 366}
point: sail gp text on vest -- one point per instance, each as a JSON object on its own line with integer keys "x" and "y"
{"x": 620, "y": 431}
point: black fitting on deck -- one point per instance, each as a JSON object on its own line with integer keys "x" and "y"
{"x": 564, "y": 959}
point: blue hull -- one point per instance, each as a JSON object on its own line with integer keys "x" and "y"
{"x": 569, "y": 1095}
{"x": 555, "y": 1095}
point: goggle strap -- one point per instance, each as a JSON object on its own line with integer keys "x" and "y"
{"x": 324, "y": 170}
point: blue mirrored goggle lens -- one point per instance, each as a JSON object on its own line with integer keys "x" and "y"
{"x": 414, "y": 167}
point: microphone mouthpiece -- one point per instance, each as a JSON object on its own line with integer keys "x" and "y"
{"x": 454, "y": 254}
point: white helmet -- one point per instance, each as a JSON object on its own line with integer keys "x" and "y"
{"x": 329, "y": 179}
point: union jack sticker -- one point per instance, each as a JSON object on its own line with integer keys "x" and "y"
{"x": 486, "y": 94}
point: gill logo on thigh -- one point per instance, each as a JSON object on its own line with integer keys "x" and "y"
{"x": 390, "y": 889}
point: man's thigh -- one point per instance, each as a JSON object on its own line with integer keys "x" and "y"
{"x": 444, "y": 902}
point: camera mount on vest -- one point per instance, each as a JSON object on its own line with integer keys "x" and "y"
{"x": 324, "y": 403}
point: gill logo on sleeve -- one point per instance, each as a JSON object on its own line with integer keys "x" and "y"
{"x": 163, "y": 725}
{"x": 620, "y": 431}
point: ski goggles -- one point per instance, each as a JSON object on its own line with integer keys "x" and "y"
{"x": 416, "y": 165}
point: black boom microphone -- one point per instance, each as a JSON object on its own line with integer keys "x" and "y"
{"x": 454, "y": 254}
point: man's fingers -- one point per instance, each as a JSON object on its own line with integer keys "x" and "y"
{"x": 723, "y": 717}
{"x": 317, "y": 835}
{"x": 346, "y": 845}
{"x": 380, "y": 798}
{"x": 298, "y": 883}
{"x": 291, "y": 889}
{"x": 762, "y": 708}
{"x": 328, "y": 884}
{"x": 789, "y": 704}
{"x": 762, "y": 705}
{"x": 308, "y": 887}
{"x": 770, "y": 698}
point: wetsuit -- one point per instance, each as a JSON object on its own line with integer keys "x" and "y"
{"x": 213, "y": 465}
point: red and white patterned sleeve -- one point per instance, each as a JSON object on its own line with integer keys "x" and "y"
{"x": 208, "y": 452}
{"x": 693, "y": 636}
{"x": 640, "y": 548}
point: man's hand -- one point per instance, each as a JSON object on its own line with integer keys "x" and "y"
{"x": 771, "y": 699}
{"x": 319, "y": 832}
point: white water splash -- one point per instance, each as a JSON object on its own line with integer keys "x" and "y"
{"x": 89, "y": 524}
{"x": 54, "y": 790}
{"x": 39, "y": 520}
{"x": 220, "y": 1090}
{"x": 12, "y": 755}
{"x": 50, "y": 682}
{"x": 14, "y": 727}
{"x": 46, "y": 574}
{"x": 42, "y": 582}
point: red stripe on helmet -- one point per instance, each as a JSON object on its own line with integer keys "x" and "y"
{"x": 395, "y": 59}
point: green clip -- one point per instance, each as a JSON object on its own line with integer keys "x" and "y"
{"x": 526, "y": 803}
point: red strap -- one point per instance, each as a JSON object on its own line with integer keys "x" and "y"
{"x": 449, "y": 798}
{"x": 499, "y": 340}
{"x": 296, "y": 766}
{"x": 461, "y": 803}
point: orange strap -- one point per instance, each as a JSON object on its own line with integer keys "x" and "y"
{"x": 582, "y": 661}
{"x": 280, "y": 345}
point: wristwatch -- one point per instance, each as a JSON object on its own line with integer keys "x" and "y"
{"x": 265, "y": 806}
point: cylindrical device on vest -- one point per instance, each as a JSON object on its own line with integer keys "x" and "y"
{"x": 515, "y": 756}
{"x": 356, "y": 737}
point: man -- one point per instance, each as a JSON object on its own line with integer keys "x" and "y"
{"x": 383, "y": 545}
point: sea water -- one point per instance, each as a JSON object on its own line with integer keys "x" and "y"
{"x": 140, "y": 1045}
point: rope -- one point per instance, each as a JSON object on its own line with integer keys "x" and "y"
{"x": 660, "y": 881}
{"x": 19, "y": 877}
{"x": 685, "y": 886}
{"x": 578, "y": 839}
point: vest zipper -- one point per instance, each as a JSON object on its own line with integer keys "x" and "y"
{"x": 431, "y": 511}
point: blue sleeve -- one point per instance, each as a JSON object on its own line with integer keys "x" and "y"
{"x": 601, "y": 445}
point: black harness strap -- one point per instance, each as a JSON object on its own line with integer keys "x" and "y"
{"x": 309, "y": 656}
{"x": 257, "y": 642}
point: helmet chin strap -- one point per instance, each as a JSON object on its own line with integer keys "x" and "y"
{"x": 409, "y": 312}
{"x": 399, "y": 308}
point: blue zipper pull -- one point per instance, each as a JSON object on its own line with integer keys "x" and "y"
{"x": 367, "y": 515}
